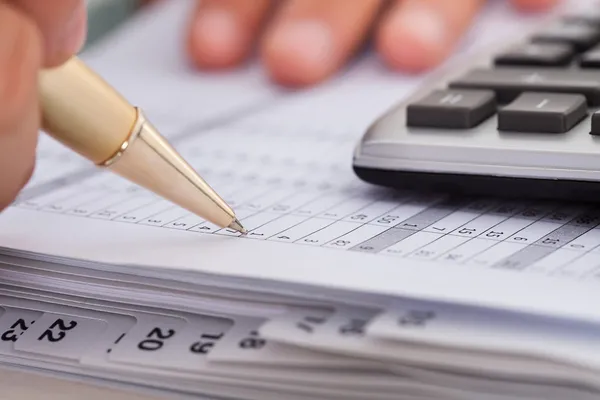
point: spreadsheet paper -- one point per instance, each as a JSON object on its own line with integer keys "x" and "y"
{"x": 277, "y": 200}
{"x": 283, "y": 161}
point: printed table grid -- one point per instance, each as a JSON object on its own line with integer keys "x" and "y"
{"x": 278, "y": 196}
{"x": 474, "y": 232}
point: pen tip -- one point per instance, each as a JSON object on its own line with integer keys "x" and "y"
{"x": 237, "y": 226}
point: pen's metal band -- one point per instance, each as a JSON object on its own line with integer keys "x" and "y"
{"x": 133, "y": 135}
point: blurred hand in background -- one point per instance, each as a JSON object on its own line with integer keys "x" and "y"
{"x": 303, "y": 42}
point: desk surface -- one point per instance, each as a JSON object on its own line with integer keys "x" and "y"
{"x": 16, "y": 385}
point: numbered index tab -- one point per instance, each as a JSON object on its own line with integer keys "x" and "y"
{"x": 63, "y": 336}
{"x": 146, "y": 342}
{"x": 13, "y": 324}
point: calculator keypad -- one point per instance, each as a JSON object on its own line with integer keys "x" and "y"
{"x": 539, "y": 83}
{"x": 544, "y": 84}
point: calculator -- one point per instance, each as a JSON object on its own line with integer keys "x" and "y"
{"x": 519, "y": 120}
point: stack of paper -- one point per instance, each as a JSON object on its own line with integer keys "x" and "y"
{"x": 341, "y": 290}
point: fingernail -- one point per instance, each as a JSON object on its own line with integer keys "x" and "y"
{"x": 75, "y": 32}
{"x": 217, "y": 35}
{"x": 425, "y": 24}
{"x": 307, "y": 46}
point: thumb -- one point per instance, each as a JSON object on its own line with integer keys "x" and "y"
{"x": 63, "y": 25}
{"x": 20, "y": 60}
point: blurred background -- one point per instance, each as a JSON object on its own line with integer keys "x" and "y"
{"x": 105, "y": 15}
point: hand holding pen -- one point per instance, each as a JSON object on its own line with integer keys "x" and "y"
{"x": 45, "y": 87}
{"x": 301, "y": 42}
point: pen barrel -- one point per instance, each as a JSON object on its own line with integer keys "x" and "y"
{"x": 80, "y": 110}
{"x": 83, "y": 112}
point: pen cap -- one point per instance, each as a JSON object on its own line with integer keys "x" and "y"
{"x": 83, "y": 112}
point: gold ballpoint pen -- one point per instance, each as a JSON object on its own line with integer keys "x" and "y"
{"x": 80, "y": 110}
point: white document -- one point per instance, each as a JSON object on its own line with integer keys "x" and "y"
{"x": 486, "y": 331}
{"x": 283, "y": 161}
{"x": 344, "y": 332}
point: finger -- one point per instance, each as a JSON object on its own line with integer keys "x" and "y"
{"x": 416, "y": 35}
{"x": 63, "y": 24}
{"x": 20, "y": 60}
{"x": 534, "y": 5}
{"x": 311, "y": 39}
{"x": 222, "y": 32}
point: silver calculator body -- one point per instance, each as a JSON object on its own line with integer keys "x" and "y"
{"x": 540, "y": 139}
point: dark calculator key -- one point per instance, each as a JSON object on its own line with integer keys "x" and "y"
{"x": 452, "y": 109}
{"x": 537, "y": 54}
{"x": 590, "y": 18}
{"x": 595, "y": 124}
{"x": 543, "y": 113}
{"x": 590, "y": 59}
{"x": 582, "y": 37}
{"x": 509, "y": 82}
